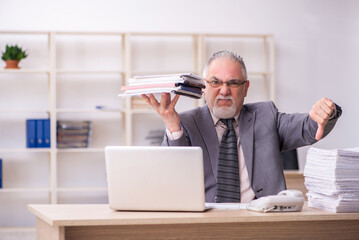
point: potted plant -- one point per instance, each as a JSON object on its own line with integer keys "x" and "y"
{"x": 12, "y": 56}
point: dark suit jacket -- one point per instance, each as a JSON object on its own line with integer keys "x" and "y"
{"x": 264, "y": 133}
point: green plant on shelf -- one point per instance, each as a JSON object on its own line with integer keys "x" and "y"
{"x": 13, "y": 55}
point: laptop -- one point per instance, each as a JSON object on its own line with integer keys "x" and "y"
{"x": 155, "y": 178}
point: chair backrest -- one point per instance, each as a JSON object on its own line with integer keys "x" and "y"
{"x": 290, "y": 160}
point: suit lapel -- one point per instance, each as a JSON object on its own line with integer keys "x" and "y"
{"x": 209, "y": 135}
{"x": 246, "y": 133}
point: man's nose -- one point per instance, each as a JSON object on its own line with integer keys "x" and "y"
{"x": 225, "y": 90}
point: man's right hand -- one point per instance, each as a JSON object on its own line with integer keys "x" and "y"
{"x": 166, "y": 109}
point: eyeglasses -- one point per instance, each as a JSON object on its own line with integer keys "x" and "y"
{"x": 231, "y": 83}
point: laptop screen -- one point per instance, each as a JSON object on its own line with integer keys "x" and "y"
{"x": 155, "y": 178}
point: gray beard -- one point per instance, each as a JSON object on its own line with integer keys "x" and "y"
{"x": 224, "y": 112}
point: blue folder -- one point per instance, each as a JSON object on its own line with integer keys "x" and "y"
{"x": 31, "y": 133}
{"x": 40, "y": 143}
{"x": 47, "y": 137}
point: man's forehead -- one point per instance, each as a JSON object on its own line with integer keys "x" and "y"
{"x": 224, "y": 68}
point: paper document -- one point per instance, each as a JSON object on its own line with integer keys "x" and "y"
{"x": 226, "y": 205}
{"x": 332, "y": 179}
{"x": 188, "y": 84}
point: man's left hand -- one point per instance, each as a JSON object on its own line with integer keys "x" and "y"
{"x": 320, "y": 113}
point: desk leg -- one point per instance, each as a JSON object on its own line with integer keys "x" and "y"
{"x": 46, "y": 232}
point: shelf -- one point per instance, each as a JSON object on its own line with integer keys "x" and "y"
{"x": 18, "y": 190}
{"x": 143, "y": 111}
{"x": 25, "y": 150}
{"x": 82, "y": 189}
{"x": 90, "y": 72}
{"x": 24, "y": 111}
{"x": 139, "y": 73}
{"x": 81, "y": 150}
{"x": 88, "y": 110}
{"x": 238, "y": 35}
{"x": 92, "y": 33}
{"x": 24, "y": 71}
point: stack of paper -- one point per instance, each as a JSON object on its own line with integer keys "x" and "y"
{"x": 332, "y": 179}
{"x": 187, "y": 84}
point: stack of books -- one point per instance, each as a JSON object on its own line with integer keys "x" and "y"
{"x": 73, "y": 134}
{"x": 332, "y": 179}
{"x": 187, "y": 84}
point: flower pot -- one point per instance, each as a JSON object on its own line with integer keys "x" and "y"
{"x": 12, "y": 64}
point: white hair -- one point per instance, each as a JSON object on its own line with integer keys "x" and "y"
{"x": 226, "y": 54}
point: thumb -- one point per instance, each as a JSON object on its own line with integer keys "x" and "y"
{"x": 320, "y": 132}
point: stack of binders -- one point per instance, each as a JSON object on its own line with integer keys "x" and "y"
{"x": 155, "y": 137}
{"x": 73, "y": 134}
{"x": 187, "y": 84}
{"x": 332, "y": 179}
{"x": 38, "y": 133}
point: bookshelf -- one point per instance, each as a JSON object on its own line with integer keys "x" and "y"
{"x": 67, "y": 74}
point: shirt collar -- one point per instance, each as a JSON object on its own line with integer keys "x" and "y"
{"x": 216, "y": 119}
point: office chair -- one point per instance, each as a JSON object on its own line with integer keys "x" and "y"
{"x": 290, "y": 160}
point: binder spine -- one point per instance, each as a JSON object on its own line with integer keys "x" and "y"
{"x": 39, "y": 133}
{"x": 31, "y": 133}
{"x": 47, "y": 137}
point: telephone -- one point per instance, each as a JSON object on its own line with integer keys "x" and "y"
{"x": 284, "y": 201}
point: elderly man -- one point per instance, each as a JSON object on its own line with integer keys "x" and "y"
{"x": 241, "y": 143}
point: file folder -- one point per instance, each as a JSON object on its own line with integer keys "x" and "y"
{"x": 31, "y": 133}
{"x": 39, "y": 133}
{"x": 47, "y": 137}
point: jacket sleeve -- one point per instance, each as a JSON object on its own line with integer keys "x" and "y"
{"x": 298, "y": 129}
{"x": 331, "y": 123}
{"x": 182, "y": 141}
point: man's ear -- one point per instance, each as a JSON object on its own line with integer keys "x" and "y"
{"x": 246, "y": 88}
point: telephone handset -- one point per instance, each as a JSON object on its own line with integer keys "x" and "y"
{"x": 284, "y": 201}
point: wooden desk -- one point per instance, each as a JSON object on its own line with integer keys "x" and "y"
{"x": 100, "y": 222}
{"x": 295, "y": 180}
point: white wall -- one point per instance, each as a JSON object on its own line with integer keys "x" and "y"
{"x": 317, "y": 42}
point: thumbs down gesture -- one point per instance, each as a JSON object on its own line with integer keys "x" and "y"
{"x": 321, "y": 113}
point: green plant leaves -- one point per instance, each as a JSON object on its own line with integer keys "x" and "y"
{"x": 13, "y": 53}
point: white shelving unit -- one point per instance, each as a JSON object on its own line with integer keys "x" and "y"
{"x": 79, "y": 70}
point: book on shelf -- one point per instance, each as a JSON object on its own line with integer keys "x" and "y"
{"x": 38, "y": 133}
{"x": 31, "y": 133}
{"x": 332, "y": 179}
{"x": 73, "y": 134}
{"x": 47, "y": 135}
{"x": 187, "y": 84}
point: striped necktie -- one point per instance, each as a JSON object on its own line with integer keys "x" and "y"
{"x": 228, "y": 189}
